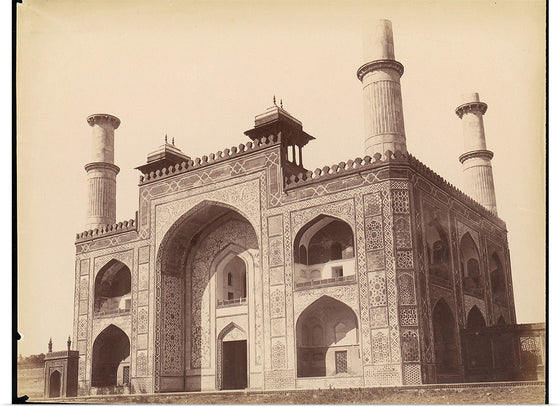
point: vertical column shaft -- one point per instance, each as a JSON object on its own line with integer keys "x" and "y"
{"x": 383, "y": 112}
{"x": 477, "y": 165}
{"x": 102, "y": 172}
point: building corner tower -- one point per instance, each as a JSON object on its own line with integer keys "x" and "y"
{"x": 476, "y": 160}
{"x": 102, "y": 172}
{"x": 383, "y": 112}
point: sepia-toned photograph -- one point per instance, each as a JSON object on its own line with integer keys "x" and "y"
{"x": 280, "y": 202}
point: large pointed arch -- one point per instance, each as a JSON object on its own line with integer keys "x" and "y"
{"x": 185, "y": 264}
{"x": 479, "y": 355}
{"x": 112, "y": 288}
{"x": 327, "y": 339}
{"x": 445, "y": 342}
{"x": 111, "y": 351}
{"x": 324, "y": 249}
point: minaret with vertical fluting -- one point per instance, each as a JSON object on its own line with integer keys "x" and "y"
{"x": 476, "y": 160}
{"x": 102, "y": 172}
{"x": 381, "y": 82}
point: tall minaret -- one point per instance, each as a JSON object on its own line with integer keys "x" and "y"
{"x": 101, "y": 172}
{"x": 381, "y": 81}
{"x": 477, "y": 166}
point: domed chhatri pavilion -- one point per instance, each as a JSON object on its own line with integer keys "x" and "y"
{"x": 243, "y": 269}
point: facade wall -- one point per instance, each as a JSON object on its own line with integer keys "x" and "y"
{"x": 392, "y": 294}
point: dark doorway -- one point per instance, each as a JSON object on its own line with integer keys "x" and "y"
{"x": 110, "y": 348}
{"x": 235, "y": 365}
{"x": 445, "y": 343}
{"x": 54, "y": 384}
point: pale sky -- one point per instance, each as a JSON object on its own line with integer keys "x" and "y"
{"x": 201, "y": 71}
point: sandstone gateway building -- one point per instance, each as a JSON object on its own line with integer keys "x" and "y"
{"x": 242, "y": 269}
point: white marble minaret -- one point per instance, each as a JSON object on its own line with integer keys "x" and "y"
{"x": 381, "y": 82}
{"x": 476, "y": 160}
{"x": 102, "y": 172}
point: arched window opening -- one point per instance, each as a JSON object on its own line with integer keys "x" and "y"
{"x": 470, "y": 266}
{"x": 112, "y": 289}
{"x": 438, "y": 250}
{"x": 111, "y": 353}
{"x": 54, "y": 384}
{"x": 232, "y": 287}
{"x": 327, "y": 339}
{"x": 497, "y": 278}
{"x": 324, "y": 252}
{"x": 445, "y": 342}
{"x": 478, "y": 344}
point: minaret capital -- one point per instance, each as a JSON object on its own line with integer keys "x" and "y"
{"x": 476, "y": 153}
{"x": 379, "y": 64}
{"x": 103, "y": 118}
{"x": 470, "y": 108}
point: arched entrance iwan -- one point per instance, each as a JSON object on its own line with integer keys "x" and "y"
{"x": 205, "y": 270}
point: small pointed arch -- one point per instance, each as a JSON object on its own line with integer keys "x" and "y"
{"x": 437, "y": 241}
{"x": 112, "y": 288}
{"x": 497, "y": 278}
{"x": 445, "y": 340}
{"x": 230, "y": 268}
{"x": 232, "y": 332}
{"x": 110, "y": 349}
{"x": 55, "y": 383}
{"x": 501, "y": 321}
{"x": 475, "y": 319}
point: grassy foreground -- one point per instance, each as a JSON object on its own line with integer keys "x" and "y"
{"x": 497, "y": 393}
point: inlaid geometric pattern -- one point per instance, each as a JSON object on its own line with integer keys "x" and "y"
{"x": 385, "y": 375}
{"x": 377, "y": 293}
{"x": 408, "y": 316}
{"x": 275, "y": 251}
{"x": 391, "y": 274}
{"x": 82, "y": 326}
{"x": 278, "y": 354}
{"x": 142, "y": 319}
{"x": 374, "y": 235}
{"x": 378, "y": 317}
{"x": 173, "y": 295}
{"x": 403, "y": 259}
{"x": 406, "y": 289}
{"x": 372, "y": 204}
{"x": 380, "y": 352}
{"x": 403, "y": 239}
{"x": 142, "y": 363}
{"x": 412, "y": 374}
{"x": 410, "y": 350}
{"x": 400, "y": 201}
{"x": 277, "y": 302}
